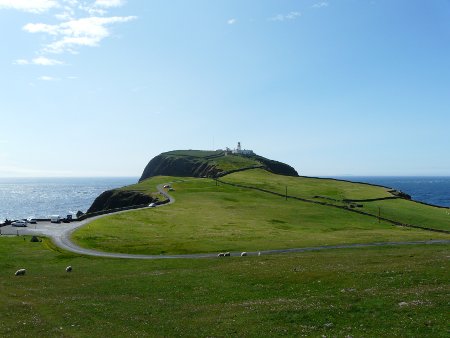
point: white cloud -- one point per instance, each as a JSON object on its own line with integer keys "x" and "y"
{"x": 41, "y": 61}
{"x": 33, "y": 6}
{"x": 285, "y": 17}
{"x": 41, "y": 28}
{"x": 75, "y": 33}
{"x": 92, "y": 10}
{"x": 320, "y": 4}
{"x": 68, "y": 13}
{"x": 47, "y": 78}
{"x": 232, "y": 21}
{"x": 80, "y": 23}
{"x": 108, "y": 3}
{"x": 21, "y": 62}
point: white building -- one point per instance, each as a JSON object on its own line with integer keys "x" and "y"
{"x": 241, "y": 151}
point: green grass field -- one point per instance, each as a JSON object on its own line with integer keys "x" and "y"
{"x": 394, "y": 291}
{"x": 306, "y": 187}
{"x": 371, "y": 292}
{"x": 399, "y": 210}
{"x": 210, "y": 218}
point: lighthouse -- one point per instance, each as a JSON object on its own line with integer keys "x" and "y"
{"x": 241, "y": 151}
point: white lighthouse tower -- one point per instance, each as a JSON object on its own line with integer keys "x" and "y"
{"x": 241, "y": 151}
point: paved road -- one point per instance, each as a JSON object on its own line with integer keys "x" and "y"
{"x": 60, "y": 234}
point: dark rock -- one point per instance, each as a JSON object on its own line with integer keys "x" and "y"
{"x": 178, "y": 166}
{"x": 114, "y": 199}
{"x": 400, "y": 194}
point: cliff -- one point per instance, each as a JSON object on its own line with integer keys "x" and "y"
{"x": 179, "y": 166}
{"x": 198, "y": 163}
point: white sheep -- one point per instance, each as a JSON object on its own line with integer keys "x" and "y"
{"x": 243, "y": 254}
{"x": 20, "y": 272}
{"x": 227, "y": 254}
{"x": 69, "y": 268}
{"x": 221, "y": 254}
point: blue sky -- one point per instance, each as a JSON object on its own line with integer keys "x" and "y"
{"x": 338, "y": 87}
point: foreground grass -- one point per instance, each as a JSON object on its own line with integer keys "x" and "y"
{"x": 210, "y": 218}
{"x": 395, "y": 291}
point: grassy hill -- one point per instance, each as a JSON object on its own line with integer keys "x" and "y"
{"x": 211, "y": 216}
{"x": 200, "y": 163}
{"x": 188, "y": 163}
{"x": 366, "y": 198}
{"x": 361, "y": 292}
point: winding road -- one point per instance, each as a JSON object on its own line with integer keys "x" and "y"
{"x": 61, "y": 233}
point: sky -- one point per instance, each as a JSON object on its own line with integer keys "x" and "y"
{"x": 336, "y": 87}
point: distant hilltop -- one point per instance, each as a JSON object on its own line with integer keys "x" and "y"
{"x": 203, "y": 163}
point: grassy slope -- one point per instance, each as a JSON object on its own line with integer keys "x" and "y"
{"x": 358, "y": 291}
{"x": 306, "y": 187}
{"x": 399, "y": 210}
{"x": 210, "y": 218}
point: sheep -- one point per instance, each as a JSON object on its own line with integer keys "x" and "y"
{"x": 221, "y": 254}
{"x": 69, "y": 268}
{"x": 243, "y": 254}
{"x": 20, "y": 272}
{"x": 259, "y": 253}
{"x": 227, "y": 254}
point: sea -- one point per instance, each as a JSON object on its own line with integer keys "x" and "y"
{"x": 42, "y": 197}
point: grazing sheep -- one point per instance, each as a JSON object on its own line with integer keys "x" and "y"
{"x": 221, "y": 254}
{"x": 69, "y": 268}
{"x": 243, "y": 254}
{"x": 259, "y": 253}
{"x": 20, "y": 272}
{"x": 227, "y": 254}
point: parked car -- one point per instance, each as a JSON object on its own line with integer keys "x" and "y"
{"x": 166, "y": 186}
{"x": 55, "y": 219}
{"x": 19, "y": 223}
{"x": 31, "y": 220}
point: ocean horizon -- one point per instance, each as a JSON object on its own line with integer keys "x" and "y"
{"x": 42, "y": 197}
